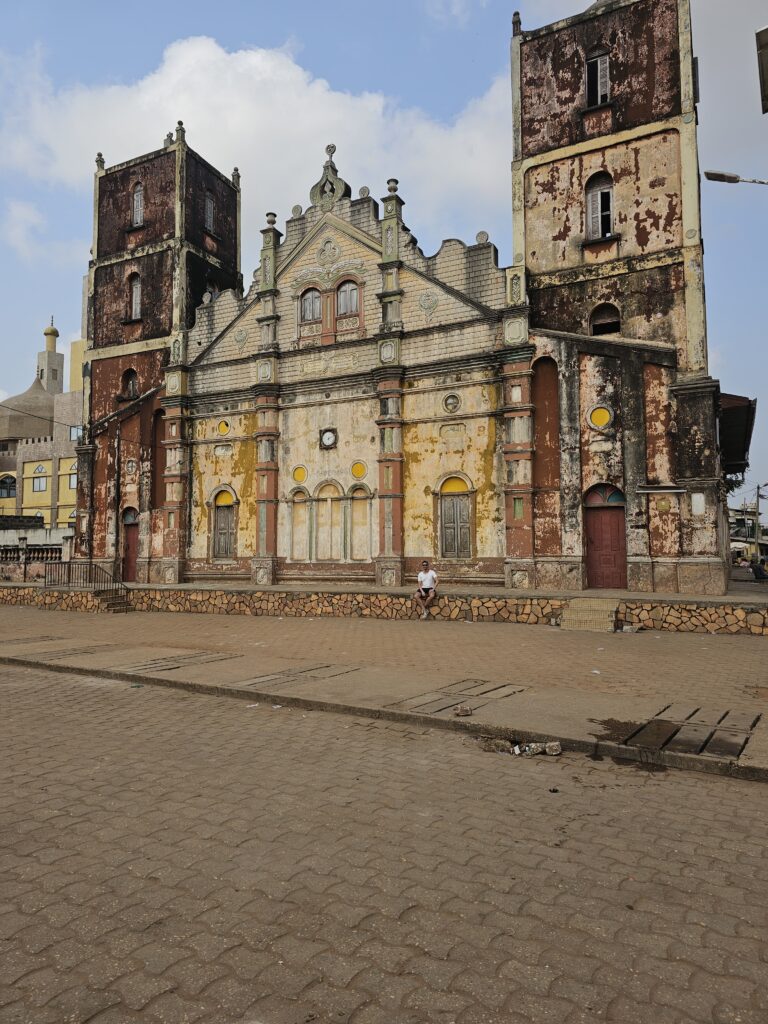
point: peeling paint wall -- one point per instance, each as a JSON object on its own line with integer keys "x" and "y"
{"x": 647, "y": 204}
{"x": 645, "y": 72}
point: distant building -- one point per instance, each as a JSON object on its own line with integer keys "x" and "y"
{"x": 742, "y": 524}
{"x": 39, "y": 430}
{"x": 363, "y": 405}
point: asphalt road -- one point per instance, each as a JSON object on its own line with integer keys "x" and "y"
{"x": 174, "y": 858}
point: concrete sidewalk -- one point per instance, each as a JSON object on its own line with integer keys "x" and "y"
{"x": 593, "y": 692}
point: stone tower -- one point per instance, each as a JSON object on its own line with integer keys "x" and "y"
{"x": 166, "y": 234}
{"x": 50, "y": 363}
{"x": 607, "y": 281}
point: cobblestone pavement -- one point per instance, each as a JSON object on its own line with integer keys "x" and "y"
{"x": 664, "y": 666}
{"x": 174, "y": 858}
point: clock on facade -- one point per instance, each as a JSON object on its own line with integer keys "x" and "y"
{"x": 328, "y": 438}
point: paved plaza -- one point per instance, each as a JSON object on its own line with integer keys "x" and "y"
{"x": 543, "y": 682}
{"x": 169, "y": 857}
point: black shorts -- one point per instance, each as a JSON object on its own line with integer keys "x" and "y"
{"x": 426, "y": 590}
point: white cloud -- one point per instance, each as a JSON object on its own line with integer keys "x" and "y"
{"x": 447, "y": 11}
{"x": 260, "y": 110}
{"x": 23, "y": 230}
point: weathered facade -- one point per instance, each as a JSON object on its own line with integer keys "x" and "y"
{"x": 364, "y": 406}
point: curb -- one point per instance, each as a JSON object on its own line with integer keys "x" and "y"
{"x": 596, "y": 749}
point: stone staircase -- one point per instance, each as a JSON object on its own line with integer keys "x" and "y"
{"x": 593, "y": 614}
{"x": 113, "y": 602}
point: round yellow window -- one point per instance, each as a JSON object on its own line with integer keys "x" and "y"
{"x": 300, "y": 474}
{"x": 600, "y": 417}
{"x": 359, "y": 469}
{"x": 223, "y": 427}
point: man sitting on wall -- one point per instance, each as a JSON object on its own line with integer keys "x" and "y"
{"x": 758, "y": 571}
{"x": 425, "y": 595}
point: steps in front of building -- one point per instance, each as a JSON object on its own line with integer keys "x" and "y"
{"x": 114, "y": 603}
{"x": 591, "y": 614}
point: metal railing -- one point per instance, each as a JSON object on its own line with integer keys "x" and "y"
{"x": 80, "y": 575}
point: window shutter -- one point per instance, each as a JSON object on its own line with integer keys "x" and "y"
{"x": 604, "y": 78}
{"x": 593, "y": 214}
{"x": 762, "y": 65}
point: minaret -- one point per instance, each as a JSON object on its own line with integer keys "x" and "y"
{"x": 50, "y": 363}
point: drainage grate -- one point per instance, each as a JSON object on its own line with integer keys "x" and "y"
{"x": 691, "y": 729}
{"x": 473, "y": 693}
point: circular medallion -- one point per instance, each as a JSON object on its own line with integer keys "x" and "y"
{"x": 300, "y": 474}
{"x": 451, "y": 403}
{"x": 359, "y": 470}
{"x": 223, "y": 427}
{"x": 600, "y": 417}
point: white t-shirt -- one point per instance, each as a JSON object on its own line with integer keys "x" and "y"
{"x": 428, "y": 579}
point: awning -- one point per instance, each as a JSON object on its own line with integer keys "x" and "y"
{"x": 737, "y": 420}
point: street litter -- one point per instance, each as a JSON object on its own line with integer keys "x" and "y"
{"x": 554, "y": 789}
{"x": 137, "y": 686}
{"x": 276, "y": 707}
{"x": 553, "y": 749}
{"x": 462, "y": 710}
{"x": 252, "y": 705}
{"x": 494, "y": 745}
{"x": 595, "y": 671}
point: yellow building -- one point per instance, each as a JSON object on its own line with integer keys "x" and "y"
{"x": 38, "y": 433}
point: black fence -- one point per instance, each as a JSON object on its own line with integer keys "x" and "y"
{"x": 81, "y": 575}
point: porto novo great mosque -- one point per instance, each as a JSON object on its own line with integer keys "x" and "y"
{"x": 362, "y": 405}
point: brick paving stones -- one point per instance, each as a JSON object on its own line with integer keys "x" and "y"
{"x": 178, "y": 860}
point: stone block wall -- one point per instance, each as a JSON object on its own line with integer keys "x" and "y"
{"x": 745, "y": 619}
{"x": 53, "y": 600}
{"x": 695, "y": 618}
{"x": 533, "y": 611}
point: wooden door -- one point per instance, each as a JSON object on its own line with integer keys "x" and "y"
{"x": 456, "y": 540}
{"x": 606, "y": 548}
{"x": 224, "y": 532}
{"x": 130, "y": 551}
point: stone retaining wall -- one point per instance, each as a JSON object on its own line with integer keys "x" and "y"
{"x": 53, "y": 600}
{"x": 534, "y": 611}
{"x": 672, "y": 616}
{"x": 695, "y": 618}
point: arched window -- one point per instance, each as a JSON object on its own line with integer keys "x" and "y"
{"x": 134, "y": 296}
{"x": 129, "y": 384}
{"x": 310, "y": 305}
{"x": 137, "y": 205}
{"x": 346, "y": 298}
{"x": 299, "y": 527}
{"x": 210, "y": 210}
{"x": 455, "y": 519}
{"x": 328, "y": 507}
{"x": 224, "y": 525}
{"x": 8, "y": 487}
{"x": 599, "y": 206}
{"x": 360, "y": 530}
{"x": 598, "y": 79}
{"x": 605, "y": 319}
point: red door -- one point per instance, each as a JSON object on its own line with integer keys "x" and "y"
{"x": 606, "y": 548}
{"x": 130, "y": 551}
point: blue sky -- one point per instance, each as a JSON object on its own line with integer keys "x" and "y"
{"x": 416, "y": 90}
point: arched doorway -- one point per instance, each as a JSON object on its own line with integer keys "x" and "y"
{"x": 606, "y": 538}
{"x": 455, "y": 519}
{"x": 224, "y": 525}
{"x": 130, "y": 544}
